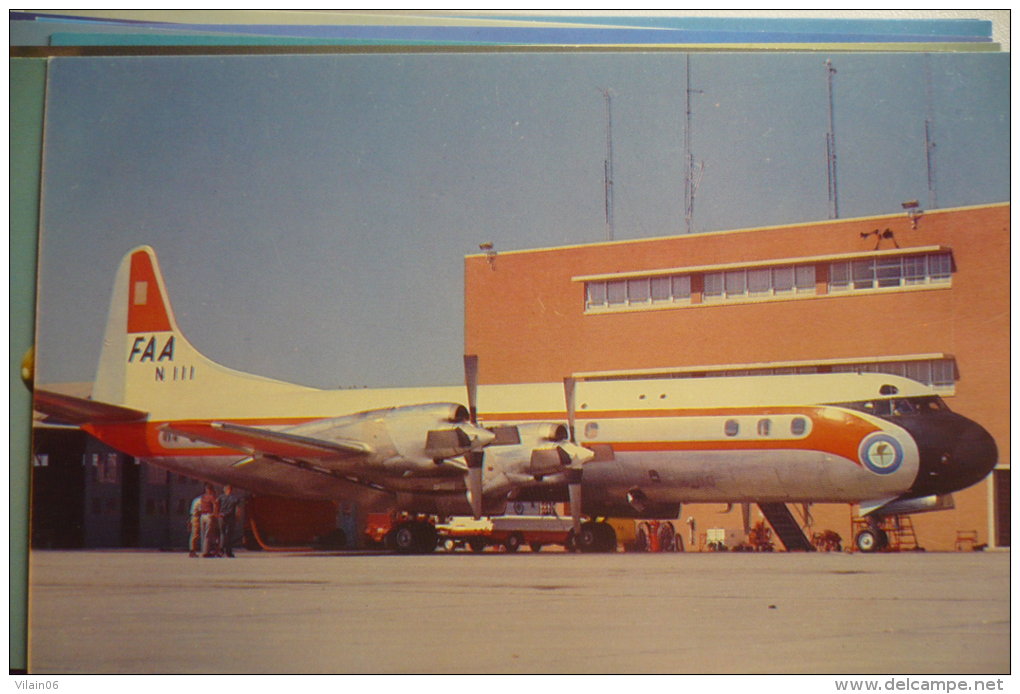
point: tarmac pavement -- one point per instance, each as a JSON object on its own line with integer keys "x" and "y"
{"x": 156, "y": 612}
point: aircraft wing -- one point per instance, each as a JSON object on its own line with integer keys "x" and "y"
{"x": 72, "y": 410}
{"x": 266, "y": 442}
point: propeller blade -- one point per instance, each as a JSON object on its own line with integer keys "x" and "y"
{"x": 475, "y": 460}
{"x": 574, "y": 488}
{"x": 569, "y": 386}
{"x": 471, "y": 381}
{"x": 573, "y": 473}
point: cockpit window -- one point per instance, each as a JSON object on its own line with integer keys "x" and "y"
{"x": 927, "y": 404}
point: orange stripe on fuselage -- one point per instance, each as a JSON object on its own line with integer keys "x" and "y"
{"x": 833, "y": 430}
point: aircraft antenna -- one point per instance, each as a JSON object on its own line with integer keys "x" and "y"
{"x": 608, "y": 164}
{"x": 830, "y": 147}
{"x": 692, "y": 172}
{"x": 929, "y": 133}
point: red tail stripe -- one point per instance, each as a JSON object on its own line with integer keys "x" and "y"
{"x": 146, "y": 311}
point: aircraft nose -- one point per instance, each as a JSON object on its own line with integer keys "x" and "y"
{"x": 955, "y": 453}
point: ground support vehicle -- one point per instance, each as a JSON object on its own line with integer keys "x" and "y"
{"x": 655, "y": 536}
{"x": 401, "y": 532}
{"x": 506, "y": 532}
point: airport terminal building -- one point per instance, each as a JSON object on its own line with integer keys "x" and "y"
{"x": 921, "y": 294}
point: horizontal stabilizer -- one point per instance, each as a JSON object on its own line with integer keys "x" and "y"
{"x": 72, "y": 410}
{"x": 255, "y": 441}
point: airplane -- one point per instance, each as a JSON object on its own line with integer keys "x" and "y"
{"x": 608, "y": 448}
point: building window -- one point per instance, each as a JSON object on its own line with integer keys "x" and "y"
{"x": 763, "y": 283}
{"x": 889, "y": 272}
{"x": 937, "y": 373}
{"x": 638, "y": 292}
{"x": 106, "y": 468}
{"x": 759, "y": 283}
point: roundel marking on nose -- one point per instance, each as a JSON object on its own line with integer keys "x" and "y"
{"x": 881, "y": 453}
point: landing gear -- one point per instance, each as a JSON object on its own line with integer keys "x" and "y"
{"x": 594, "y": 537}
{"x": 412, "y": 537}
{"x": 871, "y": 539}
{"x": 513, "y": 542}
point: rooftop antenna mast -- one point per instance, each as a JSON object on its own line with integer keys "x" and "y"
{"x": 830, "y": 148}
{"x": 692, "y": 172}
{"x": 608, "y": 164}
{"x": 929, "y": 134}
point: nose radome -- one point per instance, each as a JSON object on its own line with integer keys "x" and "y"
{"x": 955, "y": 453}
{"x": 975, "y": 455}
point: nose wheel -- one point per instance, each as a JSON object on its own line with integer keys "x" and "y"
{"x": 871, "y": 540}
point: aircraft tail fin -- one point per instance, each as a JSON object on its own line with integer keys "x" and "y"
{"x": 147, "y": 363}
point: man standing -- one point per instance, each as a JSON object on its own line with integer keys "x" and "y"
{"x": 208, "y": 508}
{"x": 195, "y": 525}
{"x": 229, "y": 505}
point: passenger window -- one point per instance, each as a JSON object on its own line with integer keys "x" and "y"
{"x": 764, "y": 427}
{"x": 798, "y": 426}
{"x": 732, "y": 427}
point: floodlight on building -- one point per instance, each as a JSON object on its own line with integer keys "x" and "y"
{"x": 490, "y": 252}
{"x": 914, "y": 211}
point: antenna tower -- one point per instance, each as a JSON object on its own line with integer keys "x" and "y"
{"x": 830, "y": 148}
{"x": 929, "y": 134}
{"x": 692, "y": 172}
{"x": 607, "y": 95}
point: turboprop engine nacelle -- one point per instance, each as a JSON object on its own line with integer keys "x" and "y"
{"x": 406, "y": 439}
{"x": 539, "y": 451}
{"x": 424, "y": 434}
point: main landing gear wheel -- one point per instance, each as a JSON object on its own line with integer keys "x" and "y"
{"x": 871, "y": 540}
{"x": 412, "y": 538}
{"x": 594, "y": 537}
{"x": 513, "y": 543}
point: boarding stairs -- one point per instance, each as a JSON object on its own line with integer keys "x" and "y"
{"x": 787, "y": 528}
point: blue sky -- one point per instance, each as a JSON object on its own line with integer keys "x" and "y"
{"x": 311, "y": 213}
